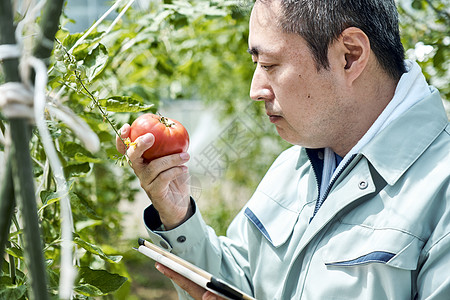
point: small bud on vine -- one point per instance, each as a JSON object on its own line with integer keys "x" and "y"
{"x": 72, "y": 67}
{"x": 59, "y": 54}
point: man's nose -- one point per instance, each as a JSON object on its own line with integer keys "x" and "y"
{"x": 260, "y": 88}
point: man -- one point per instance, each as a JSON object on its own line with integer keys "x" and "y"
{"x": 359, "y": 208}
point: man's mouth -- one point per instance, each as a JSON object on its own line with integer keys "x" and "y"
{"x": 274, "y": 117}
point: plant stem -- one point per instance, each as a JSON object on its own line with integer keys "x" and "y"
{"x": 102, "y": 112}
{"x": 18, "y": 229}
{"x": 12, "y": 269}
{"x": 92, "y": 97}
{"x": 7, "y": 204}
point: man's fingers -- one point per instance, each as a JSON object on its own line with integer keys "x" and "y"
{"x": 166, "y": 177}
{"x": 141, "y": 145}
{"x": 124, "y": 133}
{"x": 210, "y": 296}
{"x": 169, "y": 161}
{"x": 159, "y": 166}
{"x": 192, "y": 288}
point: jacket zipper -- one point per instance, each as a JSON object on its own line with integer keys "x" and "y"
{"x": 321, "y": 199}
{"x": 315, "y": 173}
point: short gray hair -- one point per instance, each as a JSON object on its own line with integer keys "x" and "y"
{"x": 321, "y": 22}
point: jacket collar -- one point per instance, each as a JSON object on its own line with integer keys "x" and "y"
{"x": 399, "y": 145}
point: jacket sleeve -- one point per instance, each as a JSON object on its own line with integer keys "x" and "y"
{"x": 434, "y": 278}
{"x": 224, "y": 257}
{"x": 433, "y": 281}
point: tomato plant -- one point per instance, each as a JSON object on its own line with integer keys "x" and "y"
{"x": 170, "y": 135}
{"x": 170, "y": 50}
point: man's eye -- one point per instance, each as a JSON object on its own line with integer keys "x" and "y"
{"x": 266, "y": 67}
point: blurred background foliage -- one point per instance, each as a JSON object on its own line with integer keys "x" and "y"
{"x": 168, "y": 54}
{"x": 425, "y": 29}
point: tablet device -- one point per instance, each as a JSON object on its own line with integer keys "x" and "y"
{"x": 192, "y": 272}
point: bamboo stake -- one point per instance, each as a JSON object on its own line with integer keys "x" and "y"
{"x": 20, "y": 135}
{"x": 24, "y": 190}
{"x": 11, "y": 73}
{"x": 49, "y": 26}
{"x": 7, "y": 204}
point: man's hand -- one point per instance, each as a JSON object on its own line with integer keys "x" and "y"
{"x": 165, "y": 179}
{"x": 196, "y": 291}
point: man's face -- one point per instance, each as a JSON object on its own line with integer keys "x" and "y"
{"x": 303, "y": 103}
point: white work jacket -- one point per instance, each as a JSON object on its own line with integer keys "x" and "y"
{"x": 383, "y": 231}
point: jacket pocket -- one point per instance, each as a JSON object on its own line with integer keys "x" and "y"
{"x": 354, "y": 245}
{"x": 273, "y": 220}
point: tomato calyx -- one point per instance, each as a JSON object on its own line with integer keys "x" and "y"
{"x": 166, "y": 121}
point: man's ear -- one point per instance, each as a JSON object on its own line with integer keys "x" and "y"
{"x": 356, "y": 50}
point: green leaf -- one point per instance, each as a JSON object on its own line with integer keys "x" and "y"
{"x": 16, "y": 252}
{"x": 88, "y": 223}
{"x": 12, "y": 292}
{"x": 78, "y": 152}
{"x": 75, "y": 170}
{"x": 83, "y": 206}
{"x": 55, "y": 130}
{"x": 94, "y": 249}
{"x": 53, "y": 278}
{"x": 417, "y": 4}
{"x": 14, "y": 233}
{"x": 156, "y": 21}
{"x": 81, "y": 51}
{"x": 80, "y": 157}
{"x": 96, "y": 62}
{"x": 180, "y": 20}
{"x": 5, "y": 281}
{"x": 91, "y": 282}
{"x": 88, "y": 290}
{"x": 124, "y": 104}
{"x": 165, "y": 65}
{"x": 71, "y": 39}
{"x": 213, "y": 12}
{"x": 439, "y": 57}
{"x": 138, "y": 92}
{"x": 48, "y": 197}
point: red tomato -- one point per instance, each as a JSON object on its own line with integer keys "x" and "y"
{"x": 170, "y": 136}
